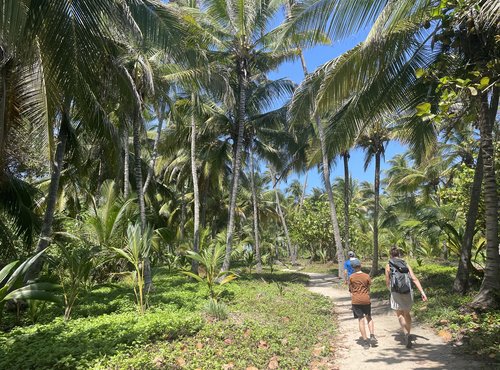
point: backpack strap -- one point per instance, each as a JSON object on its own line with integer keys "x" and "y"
{"x": 399, "y": 264}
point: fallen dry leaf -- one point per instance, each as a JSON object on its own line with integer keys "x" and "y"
{"x": 273, "y": 364}
{"x": 317, "y": 350}
{"x": 445, "y": 334}
{"x": 158, "y": 362}
{"x": 199, "y": 345}
{"x": 247, "y": 333}
{"x": 251, "y": 368}
{"x": 181, "y": 362}
{"x": 228, "y": 366}
{"x": 228, "y": 341}
{"x": 263, "y": 344}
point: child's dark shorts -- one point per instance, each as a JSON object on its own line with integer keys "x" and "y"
{"x": 361, "y": 310}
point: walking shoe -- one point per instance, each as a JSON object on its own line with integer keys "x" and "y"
{"x": 373, "y": 340}
{"x": 408, "y": 340}
{"x": 366, "y": 343}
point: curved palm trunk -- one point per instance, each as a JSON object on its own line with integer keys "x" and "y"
{"x": 291, "y": 248}
{"x": 346, "y": 199}
{"x": 148, "y": 282}
{"x": 242, "y": 84}
{"x": 374, "y": 270}
{"x": 328, "y": 186}
{"x": 255, "y": 215}
{"x": 154, "y": 155}
{"x": 46, "y": 232}
{"x": 196, "y": 192}
{"x": 461, "y": 283}
{"x": 490, "y": 287}
{"x": 326, "y": 177}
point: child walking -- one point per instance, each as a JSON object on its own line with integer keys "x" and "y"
{"x": 359, "y": 286}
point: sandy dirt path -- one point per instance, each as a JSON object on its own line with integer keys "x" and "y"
{"x": 429, "y": 351}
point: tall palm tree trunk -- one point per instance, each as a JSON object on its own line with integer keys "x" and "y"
{"x": 255, "y": 214}
{"x": 328, "y": 186}
{"x": 374, "y": 270}
{"x": 3, "y": 112}
{"x": 347, "y": 182}
{"x": 148, "y": 282}
{"x": 487, "y": 296}
{"x": 46, "y": 232}
{"x": 303, "y": 195}
{"x": 291, "y": 248}
{"x": 126, "y": 163}
{"x": 242, "y": 86}
{"x": 154, "y": 155}
{"x": 196, "y": 191}
{"x": 461, "y": 283}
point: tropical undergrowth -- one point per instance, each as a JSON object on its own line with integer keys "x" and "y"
{"x": 273, "y": 321}
{"x": 445, "y": 310}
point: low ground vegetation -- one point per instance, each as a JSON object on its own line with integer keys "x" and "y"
{"x": 271, "y": 321}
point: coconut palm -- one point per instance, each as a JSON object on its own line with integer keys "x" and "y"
{"x": 238, "y": 32}
{"x": 380, "y": 70}
{"x": 71, "y": 48}
{"x": 374, "y": 142}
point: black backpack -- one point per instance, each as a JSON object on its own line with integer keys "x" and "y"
{"x": 400, "y": 276}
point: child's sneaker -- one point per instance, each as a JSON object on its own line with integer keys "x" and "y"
{"x": 373, "y": 340}
{"x": 366, "y": 343}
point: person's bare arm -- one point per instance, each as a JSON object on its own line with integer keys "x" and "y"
{"x": 387, "y": 277}
{"x": 417, "y": 284}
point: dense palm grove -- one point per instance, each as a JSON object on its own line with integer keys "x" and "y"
{"x": 139, "y": 134}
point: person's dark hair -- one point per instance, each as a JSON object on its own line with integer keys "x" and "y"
{"x": 394, "y": 252}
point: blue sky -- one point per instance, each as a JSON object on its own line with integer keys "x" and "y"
{"x": 293, "y": 70}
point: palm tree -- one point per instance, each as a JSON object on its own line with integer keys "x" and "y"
{"x": 374, "y": 142}
{"x": 347, "y": 180}
{"x": 237, "y": 31}
{"x": 380, "y": 72}
{"x": 68, "y": 46}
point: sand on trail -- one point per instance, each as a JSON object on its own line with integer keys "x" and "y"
{"x": 429, "y": 351}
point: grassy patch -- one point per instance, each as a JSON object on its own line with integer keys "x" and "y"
{"x": 272, "y": 319}
{"x": 473, "y": 333}
{"x": 268, "y": 323}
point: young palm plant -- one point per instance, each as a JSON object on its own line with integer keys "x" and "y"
{"x": 211, "y": 259}
{"x": 136, "y": 251}
{"x": 12, "y": 286}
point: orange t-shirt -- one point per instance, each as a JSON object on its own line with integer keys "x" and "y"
{"x": 359, "y": 286}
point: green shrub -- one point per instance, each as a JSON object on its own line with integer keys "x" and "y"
{"x": 77, "y": 343}
{"x": 217, "y": 310}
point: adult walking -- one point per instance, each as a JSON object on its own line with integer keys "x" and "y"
{"x": 348, "y": 269}
{"x": 397, "y": 278}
